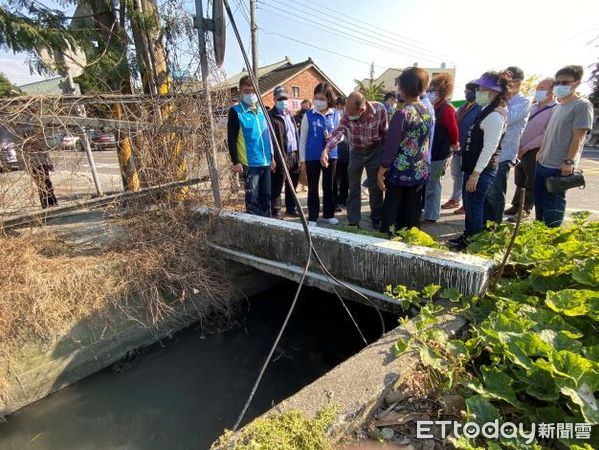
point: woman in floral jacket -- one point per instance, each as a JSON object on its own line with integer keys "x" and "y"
{"x": 406, "y": 158}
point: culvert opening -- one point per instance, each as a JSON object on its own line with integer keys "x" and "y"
{"x": 182, "y": 393}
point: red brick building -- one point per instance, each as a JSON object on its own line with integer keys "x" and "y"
{"x": 299, "y": 79}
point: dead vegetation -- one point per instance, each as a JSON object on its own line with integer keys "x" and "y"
{"x": 49, "y": 284}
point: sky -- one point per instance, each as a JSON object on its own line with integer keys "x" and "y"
{"x": 540, "y": 36}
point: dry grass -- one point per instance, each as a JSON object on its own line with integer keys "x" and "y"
{"x": 48, "y": 285}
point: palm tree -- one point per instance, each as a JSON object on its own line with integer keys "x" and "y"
{"x": 372, "y": 90}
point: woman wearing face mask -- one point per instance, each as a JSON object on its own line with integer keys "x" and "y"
{"x": 317, "y": 125}
{"x": 445, "y": 141}
{"x": 479, "y": 158}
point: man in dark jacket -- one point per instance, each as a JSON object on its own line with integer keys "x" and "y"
{"x": 286, "y": 134}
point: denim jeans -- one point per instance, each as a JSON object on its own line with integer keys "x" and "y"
{"x": 458, "y": 177}
{"x": 549, "y": 208}
{"x": 432, "y": 197}
{"x": 495, "y": 204}
{"x": 474, "y": 202}
{"x": 257, "y": 190}
{"x": 358, "y": 161}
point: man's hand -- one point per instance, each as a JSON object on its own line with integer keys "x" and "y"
{"x": 273, "y": 166}
{"x": 380, "y": 178}
{"x": 455, "y": 148}
{"x": 237, "y": 168}
{"x": 566, "y": 169}
{"x": 472, "y": 183}
{"x": 324, "y": 159}
{"x": 539, "y": 155}
{"x": 521, "y": 154}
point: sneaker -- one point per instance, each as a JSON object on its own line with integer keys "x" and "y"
{"x": 514, "y": 218}
{"x": 511, "y": 211}
{"x": 312, "y": 224}
{"x": 331, "y": 221}
{"x": 458, "y": 243}
{"x": 450, "y": 204}
{"x": 460, "y": 211}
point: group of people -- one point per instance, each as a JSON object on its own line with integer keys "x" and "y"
{"x": 406, "y": 143}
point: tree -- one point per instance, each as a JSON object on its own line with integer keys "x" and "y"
{"x": 529, "y": 85}
{"x": 594, "y": 97}
{"x": 7, "y": 89}
{"x": 370, "y": 88}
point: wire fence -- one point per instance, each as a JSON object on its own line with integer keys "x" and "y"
{"x": 63, "y": 150}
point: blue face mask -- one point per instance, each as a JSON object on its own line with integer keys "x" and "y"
{"x": 470, "y": 96}
{"x": 249, "y": 99}
{"x": 540, "y": 95}
{"x": 282, "y": 105}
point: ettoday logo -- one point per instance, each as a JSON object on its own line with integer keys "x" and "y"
{"x": 508, "y": 430}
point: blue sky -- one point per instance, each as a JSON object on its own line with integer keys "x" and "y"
{"x": 474, "y": 36}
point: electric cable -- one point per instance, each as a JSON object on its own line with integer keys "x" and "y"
{"x": 304, "y": 223}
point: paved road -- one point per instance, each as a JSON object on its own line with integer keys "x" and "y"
{"x": 73, "y": 179}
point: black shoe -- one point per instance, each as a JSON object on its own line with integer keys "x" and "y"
{"x": 353, "y": 225}
{"x": 376, "y": 224}
{"x": 292, "y": 213}
{"x": 338, "y": 208}
{"x": 512, "y": 210}
{"x": 459, "y": 243}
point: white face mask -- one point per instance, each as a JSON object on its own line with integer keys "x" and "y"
{"x": 320, "y": 105}
{"x": 249, "y": 99}
{"x": 561, "y": 91}
{"x": 433, "y": 97}
{"x": 540, "y": 95}
{"x": 482, "y": 98}
{"x": 282, "y": 105}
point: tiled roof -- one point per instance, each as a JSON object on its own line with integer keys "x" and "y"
{"x": 45, "y": 87}
{"x": 233, "y": 81}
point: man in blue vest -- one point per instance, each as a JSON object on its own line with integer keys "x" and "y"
{"x": 250, "y": 148}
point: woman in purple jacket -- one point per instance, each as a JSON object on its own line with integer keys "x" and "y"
{"x": 405, "y": 164}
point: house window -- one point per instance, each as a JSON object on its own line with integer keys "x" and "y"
{"x": 295, "y": 91}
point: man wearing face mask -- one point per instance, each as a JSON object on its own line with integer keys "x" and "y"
{"x": 562, "y": 144}
{"x": 465, "y": 116}
{"x": 390, "y": 102}
{"x": 365, "y": 125}
{"x": 518, "y": 108}
{"x": 250, "y": 149}
{"x": 287, "y": 135}
{"x": 530, "y": 143}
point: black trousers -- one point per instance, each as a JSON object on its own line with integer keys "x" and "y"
{"x": 313, "y": 171}
{"x": 402, "y": 207}
{"x": 278, "y": 180}
{"x": 524, "y": 176}
{"x": 41, "y": 177}
{"x": 341, "y": 188}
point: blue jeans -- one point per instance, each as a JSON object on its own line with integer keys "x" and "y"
{"x": 257, "y": 190}
{"x": 549, "y": 208}
{"x": 474, "y": 202}
{"x": 458, "y": 177}
{"x": 432, "y": 196}
{"x": 495, "y": 204}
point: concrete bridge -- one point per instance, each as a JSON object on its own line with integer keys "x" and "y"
{"x": 365, "y": 263}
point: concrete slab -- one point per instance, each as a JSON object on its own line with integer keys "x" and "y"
{"x": 281, "y": 247}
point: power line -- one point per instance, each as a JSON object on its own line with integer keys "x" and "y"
{"x": 415, "y": 43}
{"x": 341, "y": 33}
{"x": 373, "y": 38}
{"x": 320, "y": 48}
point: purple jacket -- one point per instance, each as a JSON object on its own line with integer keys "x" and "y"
{"x": 535, "y": 128}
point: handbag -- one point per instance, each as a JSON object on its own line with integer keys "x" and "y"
{"x": 556, "y": 185}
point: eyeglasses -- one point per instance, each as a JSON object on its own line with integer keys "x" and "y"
{"x": 563, "y": 83}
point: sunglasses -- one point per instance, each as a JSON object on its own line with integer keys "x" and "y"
{"x": 563, "y": 83}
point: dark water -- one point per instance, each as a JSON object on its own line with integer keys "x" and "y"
{"x": 183, "y": 395}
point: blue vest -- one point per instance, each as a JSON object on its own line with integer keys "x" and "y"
{"x": 253, "y": 141}
{"x": 315, "y": 140}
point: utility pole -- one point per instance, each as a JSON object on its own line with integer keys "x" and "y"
{"x": 254, "y": 31}
{"x": 204, "y": 25}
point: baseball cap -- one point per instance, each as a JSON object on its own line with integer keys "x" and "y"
{"x": 280, "y": 93}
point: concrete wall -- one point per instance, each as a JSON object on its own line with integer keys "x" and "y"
{"x": 370, "y": 263}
